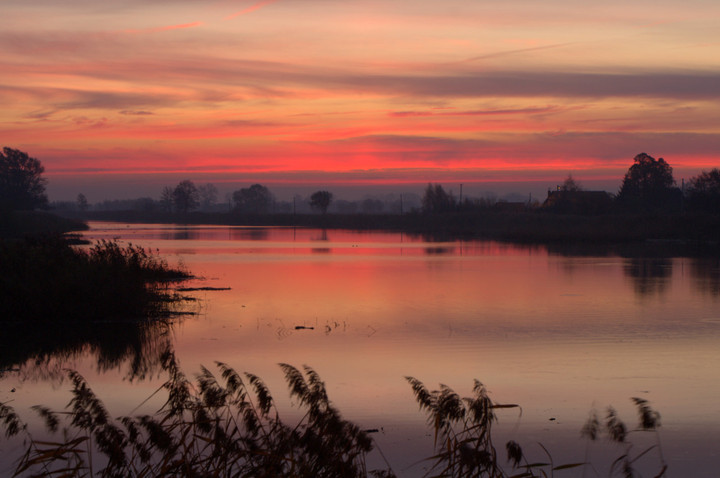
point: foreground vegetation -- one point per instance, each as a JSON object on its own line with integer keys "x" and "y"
{"x": 20, "y": 224}
{"x": 230, "y": 426}
{"x": 44, "y": 280}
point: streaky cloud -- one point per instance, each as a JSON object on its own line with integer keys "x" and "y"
{"x": 499, "y": 112}
{"x": 250, "y": 9}
{"x": 500, "y": 54}
{"x": 136, "y": 113}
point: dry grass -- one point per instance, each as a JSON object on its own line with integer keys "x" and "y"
{"x": 228, "y": 426}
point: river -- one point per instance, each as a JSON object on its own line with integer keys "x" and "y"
{"x": 558, "y": 332}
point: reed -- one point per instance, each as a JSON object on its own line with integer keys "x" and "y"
{"x": 44, "y": 279}
{"x": 226, "y": 424}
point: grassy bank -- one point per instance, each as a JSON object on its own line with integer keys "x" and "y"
{"x": 530, "y": 226}
{"x": 229, "y": 426}
{"x": 45, "y": 280}
{"x": 21, "y": 224}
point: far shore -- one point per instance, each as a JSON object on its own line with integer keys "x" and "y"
{"x": 528, "y": 227}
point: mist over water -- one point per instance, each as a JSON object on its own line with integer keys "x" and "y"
{"x": 557, "y": 332}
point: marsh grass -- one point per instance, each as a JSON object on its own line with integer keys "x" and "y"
{"x": 44, "y": 279}
{"x": 464, "y": 446}
{"x": 226, "y": 424}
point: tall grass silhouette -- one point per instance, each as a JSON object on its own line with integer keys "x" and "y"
{"x": 45, "y": 280}
{"x": 228, "y": 425}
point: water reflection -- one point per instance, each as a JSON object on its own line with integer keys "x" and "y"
{"x": 42, "y": 353}
{"x": 249, "y": 234}
{"x": 552, "y": 328}
{"x": 321, "y": 237}
{"x": 706, "y": 275}
{"x": 440, "y": 250}
{"x": 650, "y": 276}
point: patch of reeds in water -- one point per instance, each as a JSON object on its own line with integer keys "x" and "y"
{"x": 47, "y": 280}
{"x": 229, "y": 426}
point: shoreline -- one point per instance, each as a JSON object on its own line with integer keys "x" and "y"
{"x": 521, "y": 227}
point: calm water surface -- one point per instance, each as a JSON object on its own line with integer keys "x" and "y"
{"x": 557, "y": 333}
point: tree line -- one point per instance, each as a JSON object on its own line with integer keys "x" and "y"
{"x": 648, "y": 187}
{"x": 256, "y": 199}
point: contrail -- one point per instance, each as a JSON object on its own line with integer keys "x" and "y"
{"x": 250, "y": 9}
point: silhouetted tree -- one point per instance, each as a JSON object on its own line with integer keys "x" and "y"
{"x": 570, "y": 184}
{"x": 703, "y": 192}
{"x": 166, "y": 199}
{"x": 321, "y": 200}
{"x": 436, "y": 200}
{"x": 22, "y": 186}
{"x": 649, "y": 186}
{"x": 257, "y": 199}
{"x": 185, "y": 196}
{"x": 82, "y": 203}
{"x": 372, "y": 206}
{"x": 208, "y": 195}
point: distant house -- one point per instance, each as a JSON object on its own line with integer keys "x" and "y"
{"x": 578, "y": 202}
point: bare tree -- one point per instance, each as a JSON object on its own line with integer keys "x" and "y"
{"x": 570, "y": 185}
{"x": 436, "y": 200}
{"x": 185, "y": 197}
{"x": 82, "y": 202}
{"x": 208, "y": 195}
{"x": 703, "y": 193}
{"x": 321, "y": 200}
{"x": 166, "y": 199}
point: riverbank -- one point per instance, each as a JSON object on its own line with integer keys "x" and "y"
{"x": 46, "y": 280}
{"x": 527, "y": 227}
{"x": 21, "y": 224}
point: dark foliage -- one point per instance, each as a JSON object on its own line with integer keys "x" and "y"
{"x": 648, "y": 186}
{"x": 703, "y": 192}
{"x": 185, "y": 197}
{"x": 46, "y": 280}
{"x": 22, "y": 186}
{"x": 257, "y": 199}
{"x": 436, "y": 200}
{"x": 321, "y": 200}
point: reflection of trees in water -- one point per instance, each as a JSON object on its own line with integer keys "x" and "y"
{"x": 249, "y": 234}
{"x": 42, "y": 353}
{"x": 706, "y": 275}
{"x": 185, "y": 234}
{"x": 323, "y": 237}
{"x": 435, "y": 251}
{"x": 650, "y": 275}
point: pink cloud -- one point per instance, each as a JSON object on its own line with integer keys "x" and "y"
{"x": 250, "y": 9}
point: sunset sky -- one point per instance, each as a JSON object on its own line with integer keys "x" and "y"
{"x": 119, "y": 99}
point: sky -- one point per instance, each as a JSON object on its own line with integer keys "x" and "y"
{"x": 119, "y": 99}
